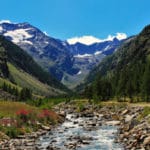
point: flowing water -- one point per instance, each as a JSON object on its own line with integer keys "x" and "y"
{"x": 78, "y": 133}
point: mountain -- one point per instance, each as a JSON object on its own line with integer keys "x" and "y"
{"x": 69, "y": 63}
{"x": 18, "y": 68}
{"x": 127, "y": 70}
{"x": 46, "y": 51}
{"x": 88, "y": 56}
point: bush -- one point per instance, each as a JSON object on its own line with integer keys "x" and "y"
{"x": 146, "y": 111}
{"x": 47, "y": 116}
{"x": 12, "y": 132}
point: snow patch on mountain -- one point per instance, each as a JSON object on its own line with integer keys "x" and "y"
{"x": 98, "y": 52}
{"x": 1, "y": 29}
{"x": 83, "y": 56}
{"x": 27, "y": 42}
{"x": 79, "y": 72}
{"x": 5, "y": 21}
{"x": 107, "y": 48}
{"x": 18, "y": 35}
{"x": 89, "y": 40}
{"x": 46, "y": 33}
{"x": 119, "y": 36}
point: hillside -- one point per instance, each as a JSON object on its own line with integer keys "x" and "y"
{"x": 18, "y": 67}
{"x": 126, "y": 72}
{"x": 48, "y": 52}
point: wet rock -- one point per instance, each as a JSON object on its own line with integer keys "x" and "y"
{"x": 147, "y": 141}
{"x": 125, "y": 112}
{"x": 113, "y": 123}
{"x": 45, "y": 128}
{"x": 71, "y": 145}
{"x": 128, "y": 118}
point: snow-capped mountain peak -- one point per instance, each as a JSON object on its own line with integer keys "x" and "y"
{"x": 69, "y": 61}
{"x": 89, "y": 40}
{"x": 5, "y": 21}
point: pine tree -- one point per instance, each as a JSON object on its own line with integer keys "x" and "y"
{"x": 25, "y": 94}
{"x": 146, "y": 83}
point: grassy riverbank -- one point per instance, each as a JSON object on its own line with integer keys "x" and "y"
{"x": 17, "y": 118}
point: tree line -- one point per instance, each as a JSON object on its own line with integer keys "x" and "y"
{"x": 129, "y": 83}
{"x": 22, "y": 95}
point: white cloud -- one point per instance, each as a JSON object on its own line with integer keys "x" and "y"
{"x": 5, "y": 21}
{"x": 88, "y": 40}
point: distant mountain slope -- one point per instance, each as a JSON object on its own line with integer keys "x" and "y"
{"x": 128, "y": 69}
{"x": 22, "y": 62}
{"x": 106, "y": 47}
{"x": 50, "y": 53}
{"x": 69, "y": 63}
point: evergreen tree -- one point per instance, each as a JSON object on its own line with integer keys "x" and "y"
{"x": 146, "y": 83}
{"x": 88, "y": 93}
{"x": 5, "y": 87}
{"x": 25, "y": 94}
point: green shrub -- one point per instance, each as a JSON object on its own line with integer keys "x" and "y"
{"x": 12, "y": 132}
{"x": 146, "y": 111}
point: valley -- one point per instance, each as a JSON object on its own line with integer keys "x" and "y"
{"x": 69, "y": 63}
{"x": 60, "y": 95}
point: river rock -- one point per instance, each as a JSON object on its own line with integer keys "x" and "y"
{"x": 128, "y": 118}
{"x": 147, "y": 141}
{"x": 113, "y": 123}
{"x": 45, "y": 128}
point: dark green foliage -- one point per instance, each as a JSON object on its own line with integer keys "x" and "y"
{"x": 100, "y": 89}
{"x": 146, "y": 83}
{"x": 3, "y": 63}
{"x": 10, "y": 89}
{"x": 25, "y": 94}
{"x": 126, "y": 73}
{"x": 12, "y": 132}
{"x": 88, "y": 92}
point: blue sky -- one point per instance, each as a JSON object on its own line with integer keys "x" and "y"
{"x": 69, "y": 18}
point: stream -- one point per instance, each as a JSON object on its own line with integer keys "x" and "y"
{"x": 80, "y": 133}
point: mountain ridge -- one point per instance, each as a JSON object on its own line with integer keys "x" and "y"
{"x": 23, "y": 62}
{"x": 57, "y": 56}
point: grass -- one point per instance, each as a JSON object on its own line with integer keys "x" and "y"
{"x": 47, "y": 103}
{"x": 17, "y": 118}
{"x": 2, "y": 80}
{"x": 145, "y": 112}
{"x": 24, "y": 79}
{"x": 9, "y": 109}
